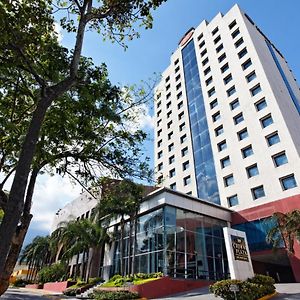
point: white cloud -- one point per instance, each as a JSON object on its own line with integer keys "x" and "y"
{"x": 58, "y": 31}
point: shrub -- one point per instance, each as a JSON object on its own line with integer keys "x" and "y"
{"x": 120, "y": 295}
{"x": 21, "y": 282}
{"x": 55, "y": 272}
{"x": 95, "y": 280}
{"x": 250, "y": 289}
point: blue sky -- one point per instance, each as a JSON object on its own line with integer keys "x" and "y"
{"x": 150, "y": 54}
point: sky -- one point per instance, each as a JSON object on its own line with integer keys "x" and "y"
{"x": 150, "y": 55}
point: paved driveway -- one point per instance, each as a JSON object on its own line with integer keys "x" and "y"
{"x": 287, "y": 291}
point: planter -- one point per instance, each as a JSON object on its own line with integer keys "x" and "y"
{"x": 57, "y": 286}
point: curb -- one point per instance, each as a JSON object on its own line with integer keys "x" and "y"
{"x": 268, "y": 296}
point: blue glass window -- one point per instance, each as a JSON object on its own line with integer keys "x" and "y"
{"x": 185, "y": 165}
{"x": 219, "y": 130}
{"x": 219, "y": 48}
{"x": 171, "y": 159}
{"x": 242, "y": 53}
{"x": 208, "y": 81}
{"x": 261, "y": 104}
{"x": 186, "y": 180}
{"x": 172, "y": 173}
{"x": 184, "y": 151}
{"x": 232, "y": 24}
{"x": 266, "y": 121}
{"x": 238, "y": 119}
{"x": 233, "y": 200}
{"x": 231, "y": 91}
{"x": 224, "y": 68}
{"x": 225, "y": 162}
{"x": 258, "y": 192}
{"x": 211, "y": 92}
{"x": 288, "y": 182}
{"x": 251, "y": 76}
{"x": 280, "y": 159}
{"x": 222, "y": 57}
{"x": 248, "y": 151}
{"x": 213, "y": 103}
{"x": 247, "y": 64}
{"x": 229, "y": 180}
{"x": 255, "y": 90}
{"x": 235, "y": 33}
{"x": 171, "y": 147}
{"x": 252, "y": 171}
{"x": 216, "y": 116}
{"x": 273, "y": 139}
{"x": 173, "y": 186}
{"x": 243, "y": 134}
{"x": 234, "y": 104}
{"x": 222, "y": 145}
{"x": 160, "y": 166}
{"x": 227, "y": 79}
{"x": 160, "y": 154}
{"x": 239, "y": 42}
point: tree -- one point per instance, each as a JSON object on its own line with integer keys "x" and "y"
{"x": 31, "y": 57}
{"x": 287, "y": 227}
{"x": 121, "y": 199}
{"x": 80, "y": 236}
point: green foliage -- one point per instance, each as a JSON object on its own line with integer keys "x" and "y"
{"x": 120, "y": 295}
{"x": 250, "y": 289}
{"x": 55, "y": 272}
{"x": 95, "y": 280}
{"x": 21, "y": 282}
{"x": 1, "y": 214}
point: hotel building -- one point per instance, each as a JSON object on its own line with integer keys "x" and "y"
{"x": 227, "y": 129}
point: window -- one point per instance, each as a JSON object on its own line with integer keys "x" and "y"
{"x": 258, "y": 192}
{"x": 238, "y": 118}
{"x": 227, "y": 79}
{"x": 209, "y": 80}
{"x": 159, "y": 132}
{"x": 183, "y": 138}
{"x": 186, "y": 180}
{"x": 247, "y": 64}
{"x": 179, "y": 95}
{"x": 177, "y": 77}
{"x": 177, "y": 69}
{"x": 228, "y": 180}
{"x": 168, "y": 87}
{"x": 158, "y": 122}
{"x": 222, "y": 146}
{"x": 159, "y": 143}
{"x": 238, "y": 42}
{"x": 158, "y": 96}
{"x": 169, "y": 124}
{"x": 200, "y": 37}
{"x": 168, "y": 96}
{"x": 235, "y": 33}
{"x": 252, "y": 171}
{"x": 160, "y": 166}
{"x": 184, "y": 151}
{"x": 176, "y": 61}
{"x": 251, "y": 76}
{"x": 280, "y": 159}
{"x": 181, "y": 126}
{"x": 255, "y": 90}
{"x": 225, "y": 162}
{"x": 168, "y": 105}
{"x": 160, "y": 154}
{"x": 216, "y": 116}
{"x": 232, "y": 24}
{"x": 219, "y": 48}
{"x": 261, "y": 104}
{"x": 234, "y": 104}
{"x": 158, "y": 104}
{"x": 273, "y": 139}
{"x": 169, "y": 114}
{"x": 180, "y": 116}
{"x": 171, "y": 159}
{"x": 167, "y": 79}
{"x": 211, "y": 92}
{"x": 158, "y": 113}
{"x": 243, "y": 134}
{"x": 171, "y": 147}
{"x": 266, "y": 121}
{"x": 205, "y": 61}
{"x": 242, "y": 53}
{"x": 288, "y": 182}
{"x": 233, "y": 200}
{"x": 215, "y": 31}
{"x": 206, "y": 71}
{"x": 201, "y": 44}
{"x": 159, "y": 179}
{"x": 213, "y": 103}
{"x": 219, "y": 130}
{"x": 217, "y": 39}
{"x": 170, "y": 135}
{"x": 173, "y": 186}
{"x": 180, "y": 105}
{"x": 185, "y": 165}
{"x": 172, "y": 173}
{"x": 203, "y": 52}
{"x": 224, "y": 68}
{"x": 178, "y": 86}
{"x": 222, "y": 57}
{"x": 247, "y": 151}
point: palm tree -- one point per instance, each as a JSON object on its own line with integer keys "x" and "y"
{"x": 287, "y": 227}
{"x": 37, "y": 254}
{"x": 82, "y": 236}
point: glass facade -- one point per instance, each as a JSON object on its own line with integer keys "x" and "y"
{"x": 177, "y": 242}
{"x": 206, "y": 181}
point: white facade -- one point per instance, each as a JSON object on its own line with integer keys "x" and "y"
{"x": 268, "y": 93}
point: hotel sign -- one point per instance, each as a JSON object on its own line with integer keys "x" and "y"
{"x": 239, "y": 248}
